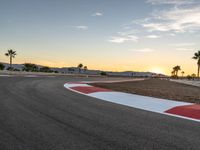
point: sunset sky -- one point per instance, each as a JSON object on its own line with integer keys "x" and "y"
{"x": 117, "y": 35}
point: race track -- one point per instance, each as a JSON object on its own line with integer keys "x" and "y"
{"x": 38, "y": 113}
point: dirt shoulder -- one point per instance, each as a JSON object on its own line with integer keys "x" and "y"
{"x": 157, "y": 88}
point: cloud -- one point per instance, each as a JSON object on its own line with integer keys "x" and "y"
{"x": 170, "y": 2}
{"x": 82, "y": 27}
{"x": 181, "y": 16}
{"x": 172, "y": 34}
{"x": 184, "y": 49}
{"x": 175, "y": 20}
{"x": 143, "y": 50}
{"x": 156, "y": 27}
{"x": 128, "y": 31}
{"x": 97, "y": 14}
{"x": 182, "y": 44}
{"x": 123, "y": 39}
{"x": 172, "y": 20}
{"x": 125, "y": 36}
{"x": 152, "y": 36}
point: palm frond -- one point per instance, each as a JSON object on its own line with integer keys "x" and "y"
{"x": 194, "y": 57}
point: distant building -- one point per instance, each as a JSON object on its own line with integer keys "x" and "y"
{"x": 75, "y": 70}
{"x": 131, "y": 74}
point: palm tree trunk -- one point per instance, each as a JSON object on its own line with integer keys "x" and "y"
{"x": 10, "y": 61}
{"x": 198, "y": 71}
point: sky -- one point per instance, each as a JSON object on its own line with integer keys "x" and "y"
{"x": 116, "y": 35}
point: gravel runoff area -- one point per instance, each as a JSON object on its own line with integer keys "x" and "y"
{"x": 157, "y": 88}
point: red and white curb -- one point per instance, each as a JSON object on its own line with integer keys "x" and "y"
{"x": 168, "y": 107}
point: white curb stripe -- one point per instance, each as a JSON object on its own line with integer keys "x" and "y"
{"x": 75, "y": 85}
{"x": 137, "y": 101}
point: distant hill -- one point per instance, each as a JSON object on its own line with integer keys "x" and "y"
{"x": 16, "y": 66}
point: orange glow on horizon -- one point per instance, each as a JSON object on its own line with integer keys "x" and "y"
{"x": 109, "y": 66}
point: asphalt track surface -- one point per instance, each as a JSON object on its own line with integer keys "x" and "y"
{"x": 40, "y": 114}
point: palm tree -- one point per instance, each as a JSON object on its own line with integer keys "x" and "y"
{"x": 193, "y": 76}
{"x": 182, "y": 73}
{"x": 197, "y": 57}
{"x": 85, "y": 68}
{"x": 30, "y": 67}
{"x": 80, "y": 66}
{"x": 173, "y": 73}
{"x": 176, "y": 69}
{"x": 11, "y": 54}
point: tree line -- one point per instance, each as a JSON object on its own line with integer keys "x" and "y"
{"x": 177, "y": 68}
{"x": 30, "y": 67}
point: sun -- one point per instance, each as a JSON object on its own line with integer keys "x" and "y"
{"x": 157, "y": 70}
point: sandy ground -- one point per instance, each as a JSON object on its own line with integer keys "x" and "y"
{"x": 157, "y": 88}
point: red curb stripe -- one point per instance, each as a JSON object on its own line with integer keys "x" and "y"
{"x": 88, "y": 90}
{"x": 191, "y": 111}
